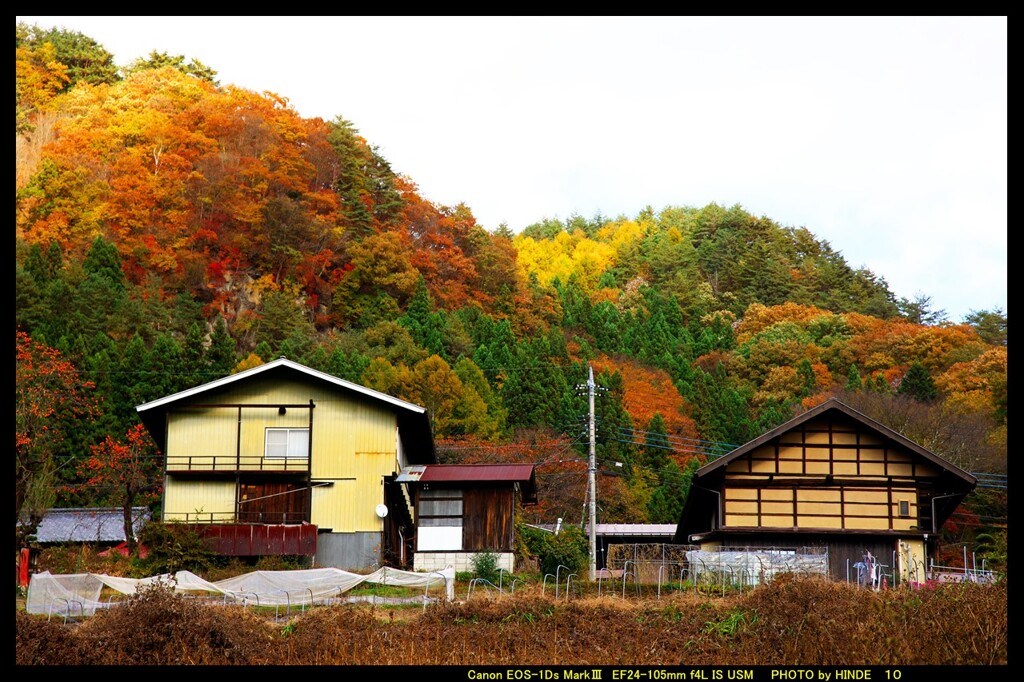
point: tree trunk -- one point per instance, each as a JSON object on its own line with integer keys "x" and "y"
{"x": 129, "y": 528}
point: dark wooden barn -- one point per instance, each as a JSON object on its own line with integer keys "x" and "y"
{"x": 830, "y": 480}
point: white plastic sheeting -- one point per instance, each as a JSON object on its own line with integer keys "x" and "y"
{"x": 79, "y": 593}
{"x": 753, "y": 566}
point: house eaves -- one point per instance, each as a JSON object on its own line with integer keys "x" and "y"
{"x": 413, "y": 420}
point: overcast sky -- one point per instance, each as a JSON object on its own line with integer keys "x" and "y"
{"x": 886, "y": 137}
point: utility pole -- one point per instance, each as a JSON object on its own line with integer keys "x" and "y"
{"x": 591, "y": 388}
{"x": 592, "y": 474}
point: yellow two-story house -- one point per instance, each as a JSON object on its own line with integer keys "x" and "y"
{"x": 284, "y": 459}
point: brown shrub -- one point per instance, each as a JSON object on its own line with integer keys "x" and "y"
{"x": 39, "y": 641}
{"x": 157, "y": 627}
{"x": 816, "y": 622}
{"x": 791, "y": 621}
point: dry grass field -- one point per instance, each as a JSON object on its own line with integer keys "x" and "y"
{"x": 791, "y": 621}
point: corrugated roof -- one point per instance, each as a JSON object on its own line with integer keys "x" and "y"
{"x": 433, "y": 473}
{"x": 410, "y": 474}
{"x": 81, "y": 524}
{"x": 663, "y": 530}
{"x": 273, "y": 365}
{"x": 667, "y": 529}
{"x": 522, "y": 474}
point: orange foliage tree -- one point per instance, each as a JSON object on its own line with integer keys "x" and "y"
{"x": 49, "y": 397}
{"x": 647, "y": 392}
{"x": 125, "y": 473}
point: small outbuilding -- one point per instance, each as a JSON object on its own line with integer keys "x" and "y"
{"x": 462, "y": 510}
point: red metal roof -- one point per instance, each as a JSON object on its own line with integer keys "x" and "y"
{"x": 476, "y": 472}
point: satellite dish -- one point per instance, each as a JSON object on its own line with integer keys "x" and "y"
{"x": 382, "y": 510}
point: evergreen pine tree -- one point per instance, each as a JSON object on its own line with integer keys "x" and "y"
{"x": 808, "y": 380}
{"x": 918, "y": 384}
{"x": 853, "y": 381}
{"x": 221, "y": 357}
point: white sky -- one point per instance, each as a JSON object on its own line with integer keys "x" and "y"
{"x": 885, "y": 136}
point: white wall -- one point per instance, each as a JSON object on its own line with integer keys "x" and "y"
{"x": 434, "y": 538}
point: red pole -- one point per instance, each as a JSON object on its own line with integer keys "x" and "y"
{"x": 23, "y": 568}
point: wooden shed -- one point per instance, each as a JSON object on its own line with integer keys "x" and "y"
{"x": 465, "y": 509}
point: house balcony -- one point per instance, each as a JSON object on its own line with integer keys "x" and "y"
{"x": 261, "y": 517}
{"x": 230, "y": 464}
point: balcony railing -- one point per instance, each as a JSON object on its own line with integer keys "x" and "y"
{"x": 229, "y": 463}
{"x": 244, "y": 517}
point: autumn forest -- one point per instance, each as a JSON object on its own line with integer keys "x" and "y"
{"x": 171, "y": 230}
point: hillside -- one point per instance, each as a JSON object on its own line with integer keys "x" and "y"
{"x": 171, "y": 230}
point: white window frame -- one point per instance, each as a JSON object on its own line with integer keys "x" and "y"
{"x": 296, "y": 443}
{"x": 440, "y": 532}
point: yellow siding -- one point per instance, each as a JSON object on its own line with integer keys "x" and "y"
{"x": 354, "y": 441}
{"x": 256, "y": 421}
{"x": 343, "y": 427}
{"x": 900, "y": 470}
{"x": 812, "y": 508}
{"x": 777, "y": 508}
{"x": 741, "y": 507}
{"x": 790, "y": 467}
{"x": 205, "y": 436}
{"x": 202, "y": 501}
{"x": 871, "y": 455}
{"x": 844, "y": 438}
{"x": 866, "y": 496}
{"x": 819, "y": 522}
{"x": 864, "y": 510}
{"x": 817, "y": 467}
{"x": 817, "y": 495}
{"x": 348, "y": 506}
{"x": 819, "y": 449}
